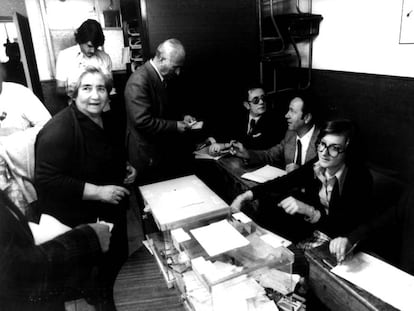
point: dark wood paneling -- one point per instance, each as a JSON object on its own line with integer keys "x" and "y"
{"x": 221, "y": 42}
{"x": 382, "y": 107}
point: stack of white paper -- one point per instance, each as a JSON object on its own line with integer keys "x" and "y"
{"x": 264, "y": 174}
{"x": 380, "y": 279}
{"x": 219, "y": 237}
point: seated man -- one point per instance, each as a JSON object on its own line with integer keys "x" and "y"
{"x": 397, "y": 220}
{"x": 298, "y": 145}
{"x": 38, "y": 277}
{"x": 331, "y": 195}
{"x": 258, "y": 127}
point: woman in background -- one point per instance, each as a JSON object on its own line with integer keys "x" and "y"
{"x": 80, "y": 172}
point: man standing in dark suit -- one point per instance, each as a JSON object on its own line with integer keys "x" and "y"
{"x": 298, "y": 145}
{"x": 153, "y": 125}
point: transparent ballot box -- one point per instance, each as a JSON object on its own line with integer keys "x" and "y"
{"x": 176, "y": 203}
{"x": 231, "y": 264}
{"x": 181, "y": 201}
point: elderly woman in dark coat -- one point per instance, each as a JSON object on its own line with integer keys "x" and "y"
{"x": 80, "y": 171}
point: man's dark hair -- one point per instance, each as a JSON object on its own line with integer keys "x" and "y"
{"x": 253, "y": 86}
{"x": 90, "y": 30}
{"x": 309, "y": 105}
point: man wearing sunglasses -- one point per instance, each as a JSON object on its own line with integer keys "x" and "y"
{"x": 298, "y": 145}
{"x": 258, "y": 128}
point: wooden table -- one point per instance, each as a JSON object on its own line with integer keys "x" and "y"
{"x": 333, "y": 291}
{"x": 141, "y": 287}
{"x": 223, "y": 176}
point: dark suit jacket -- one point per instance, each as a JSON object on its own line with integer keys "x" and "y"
{"x": 284, "y": 152}
{"x": 268, "y": 131}
{"x": 347, "y": 210}
{"x": 149, "y": 117}
{"x": 395, "y": 227}
{"x": 33, "y": 277}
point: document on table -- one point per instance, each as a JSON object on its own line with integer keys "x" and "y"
{"x": 264, "y": 174}
{"x": 388, "y": 283}
{"x": 219, "y": 237}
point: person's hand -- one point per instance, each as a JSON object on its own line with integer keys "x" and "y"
{"x": 131, "y": 174}
{"x": 237, "y": 149}
{"x": 112, "y": 194}
{"x": 293, "y": 206}
{"x": 217, "y": 148}
{"x": 214, "y": 149}
{"x": 104, "y": 235}
{"x": 182, "y": 126}
{"x": 339, "y": 247}
{"x": 291, "y": 167}
{"x": 189, "y": 119}
{"x": 238, "y": 202}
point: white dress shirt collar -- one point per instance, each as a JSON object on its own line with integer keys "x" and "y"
{"x": 156, "y": 69}
{"x": 305, "y": 141}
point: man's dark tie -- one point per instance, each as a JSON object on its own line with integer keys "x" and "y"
{"x": 252, "y": 125}
{"x": 298, "y": 152}
{"x": 335, "y": 190}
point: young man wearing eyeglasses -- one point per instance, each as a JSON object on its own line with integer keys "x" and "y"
{"x": 298, "y": 145}
{"x": 331, "y": 195}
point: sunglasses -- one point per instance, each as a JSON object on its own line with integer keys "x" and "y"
{"x": 255, "y": 100}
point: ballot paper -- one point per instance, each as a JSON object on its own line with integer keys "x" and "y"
{"x": 275, "y": 240}
{"x": 277, "y": 280}
{"x": 236, "y": 293}
{"x": 47, "y": 229}
{"x": 264, "y": 174}
{"x": 203, "y": 153}
{"x": 243, "y": 218}
{"x": 219, "y": 237}
{"x": 197, "y": 125}
{"x": 388, "y": 283}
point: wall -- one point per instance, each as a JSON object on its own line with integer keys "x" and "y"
{"x": 382, "y": 107}
{"x": 221, "y": 44}
{"x": 8, "y": 7}
{"x": 362, "y": 36}
{"x": 366, "y": 75}
{"x": 64, "y": 11}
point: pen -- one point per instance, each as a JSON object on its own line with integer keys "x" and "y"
{"x": 327, "y": 263}
{"x": 347, "y": 253}
{"x": 202, "y": 146}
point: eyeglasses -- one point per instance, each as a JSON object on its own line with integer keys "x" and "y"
{"x": 255, "y": 100}
{"x": 333, "y": 150}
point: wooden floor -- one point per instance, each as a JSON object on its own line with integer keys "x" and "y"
{"x": 141, "y": 287}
